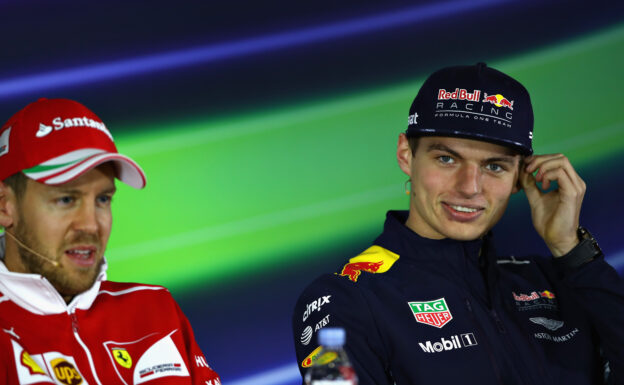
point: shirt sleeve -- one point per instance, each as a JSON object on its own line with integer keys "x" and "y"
{"x": 200, "y": 370}
{"x": 599, "y": 292}
{"x": 333, "y": 301}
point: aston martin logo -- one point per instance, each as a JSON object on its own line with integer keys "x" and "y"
{"x": 549, "y": 324}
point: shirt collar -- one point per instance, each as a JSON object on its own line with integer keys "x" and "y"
{"x": 400, "y": 239}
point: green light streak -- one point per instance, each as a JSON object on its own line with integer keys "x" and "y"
{"x": 231, "y": 197}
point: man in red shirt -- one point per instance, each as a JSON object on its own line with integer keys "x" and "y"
{"x": 61, "y": 321}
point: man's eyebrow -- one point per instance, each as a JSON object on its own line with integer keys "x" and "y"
{"x": 505, "y": 159}
{"x": 441, "y": 147}
{"x": 71, "y": 191}
{"x": 65, "y": 190}
{"x": 110, "y": 190}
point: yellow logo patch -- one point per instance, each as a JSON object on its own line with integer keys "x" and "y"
{"x": 375, "y": 259}
{"x": 32, "y": 366}
{"x": 65, "y": 372}
{"x": 122, "y": 357}
{"x": 311, "y": 358}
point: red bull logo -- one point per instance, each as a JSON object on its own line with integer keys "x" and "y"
{"x": 547, "y": 294}
{"x": 498, "y": 100}
{"x": 459, "y": 94}
{"x": 353, "y": 270}
{"x": 525, "y": 298}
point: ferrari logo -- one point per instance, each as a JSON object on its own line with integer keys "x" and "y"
{"x": 122, "y": 357}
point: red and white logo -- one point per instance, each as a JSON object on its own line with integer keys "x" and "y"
{"x": 433, "y": 313}
{"x": 459, "y": 94}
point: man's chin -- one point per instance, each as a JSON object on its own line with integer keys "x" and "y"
{"x": 72, "y": 282}
{"x": 465, "y": 232}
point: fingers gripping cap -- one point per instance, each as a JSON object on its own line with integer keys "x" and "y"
{"x": 54, "y": 141}
{"x": 474, "y": 102}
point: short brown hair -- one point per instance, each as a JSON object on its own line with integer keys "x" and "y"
{"x": 17, "y": 183}
{"x": 413, "y": 143}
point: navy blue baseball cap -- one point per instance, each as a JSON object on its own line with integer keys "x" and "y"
{"x": 474, "y": 102}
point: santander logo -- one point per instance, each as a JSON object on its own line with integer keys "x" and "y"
{"x": 59, "y": 124}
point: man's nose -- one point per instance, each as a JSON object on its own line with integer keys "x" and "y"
{"x": 86, "y": 219}
{"x": 468, "y": 181}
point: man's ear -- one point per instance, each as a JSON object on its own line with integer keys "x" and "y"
{"x": 518, "y": 185}
{"x": 404, "y": 154}
{"x": 8, "y": 203}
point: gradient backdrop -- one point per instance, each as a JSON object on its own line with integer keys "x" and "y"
{"x": 268, "y": 132}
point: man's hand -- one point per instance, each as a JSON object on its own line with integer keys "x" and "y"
{"x": 556, "y": 213}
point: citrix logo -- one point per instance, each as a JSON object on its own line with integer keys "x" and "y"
{"x": 455, "y": 342}
{"x": 315, "y": 306}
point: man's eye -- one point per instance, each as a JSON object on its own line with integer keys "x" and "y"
{"x": 446, "y": 159}
{"x": 105, "y": 199}
{"x": 495, "y": 167}
{"x": 65, "y": 200}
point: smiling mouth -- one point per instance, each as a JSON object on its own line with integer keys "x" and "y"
{"x": 461, "y": 213}
{"x": 463, "y": 209}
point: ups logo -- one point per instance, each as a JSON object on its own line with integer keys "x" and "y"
{"x": 65, "y": 372}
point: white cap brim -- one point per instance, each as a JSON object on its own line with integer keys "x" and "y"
{"x": 70, "y": 166}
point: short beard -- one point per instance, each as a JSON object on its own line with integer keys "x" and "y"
{"x": 54, "y": 274}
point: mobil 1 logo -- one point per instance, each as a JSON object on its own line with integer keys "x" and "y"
{"x": 445, "y": 344}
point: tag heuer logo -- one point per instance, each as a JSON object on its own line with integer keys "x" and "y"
{"x": 432, "y": 313}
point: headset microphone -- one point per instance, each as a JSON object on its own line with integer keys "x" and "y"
{"x": 49, "y": 260}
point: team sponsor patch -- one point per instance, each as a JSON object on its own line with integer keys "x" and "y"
{"x": 560, "y": 338}
{"x": 306, "y": 335}
{"x": 162, "y": 359}
{"x": 308, "y": 332}
{"x": 31, "y": 364}
{"x": 311, "y": 358}
{"x": 375, "y": 259}
{"x": 322, "y": 323}
{"x": 122, "y": 357}
{"x": 200, "y": 362}
{"x": 535, "y": 300}
{"x": 433, "y": 313}
{"x": 49, "y": 367}
{"x": 66, "y": 371}
{"x": 445, "y": 344}
{"x": 468, "y": 104}
{"x": 549, "y": 324}
{"x": 459, "y": 94}
{"x": 353, "y": 270}
{"x": 498, "y": 100}
{"x": 150, "y": 357}
{"x": 315, "y": 306}
{"x": 59, "y": 123}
